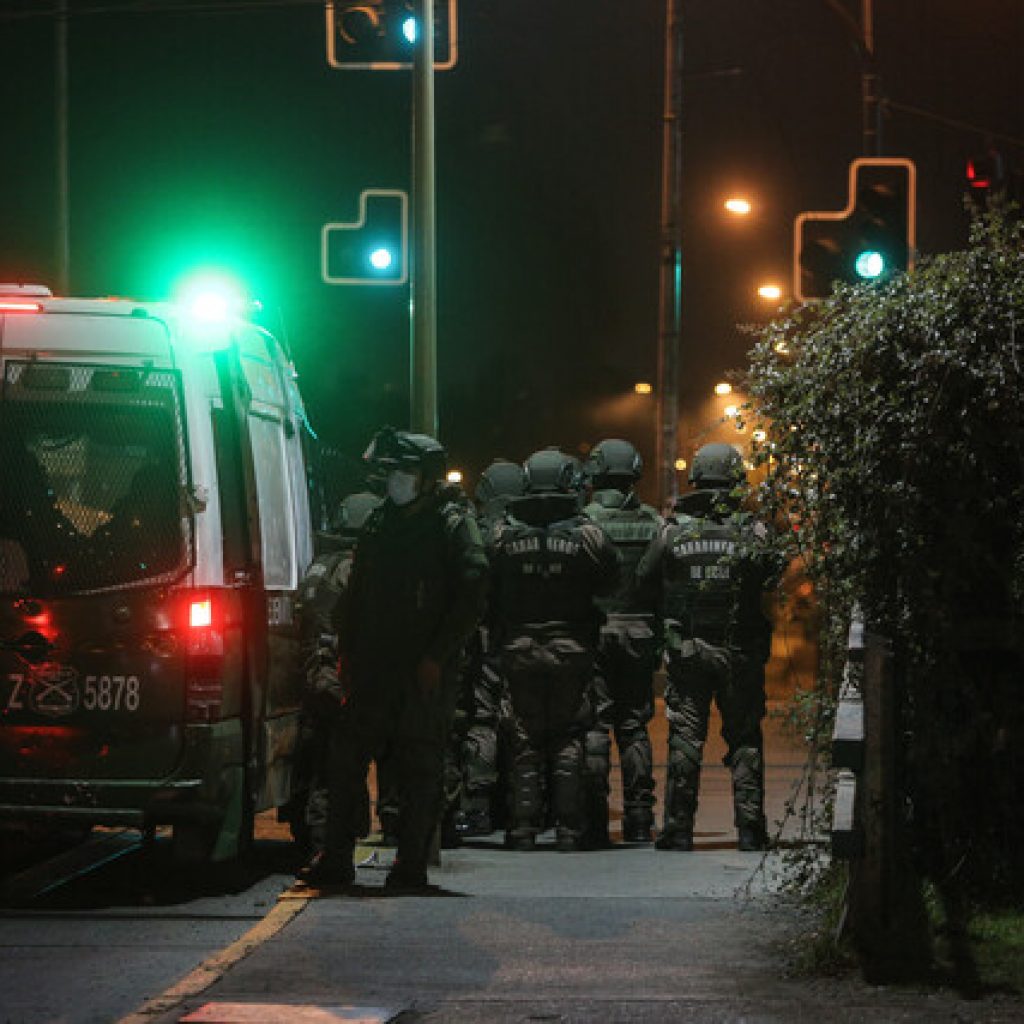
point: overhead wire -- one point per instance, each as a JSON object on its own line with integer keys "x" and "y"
{"x": 141, "y": 7}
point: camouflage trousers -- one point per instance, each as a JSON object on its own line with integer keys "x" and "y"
{"x": 481, "y": 743}
{"x": 550, "y": 715}
{"x": 734, "y": 679}
{"x": 622, "y": 701}
{"x": 405, "y": 731}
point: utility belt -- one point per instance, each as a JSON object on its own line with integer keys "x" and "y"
{"x": 587, "y": 631}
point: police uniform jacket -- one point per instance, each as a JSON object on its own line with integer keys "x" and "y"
{"x": 631, "y": 526}
{"x": 416, "y": 590}
{"x": 549, "y": 563}
{"x": 708, "y": 570}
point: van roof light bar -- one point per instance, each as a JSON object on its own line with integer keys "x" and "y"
{"x": 35, "y": 291}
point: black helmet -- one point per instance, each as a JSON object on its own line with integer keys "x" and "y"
{"x": 352, "y": 513}
{"x": 398, "y": 449}
{"x": 717, "y": 465}
{"x": 500, "y": 480}
{"x": 551, "y": 471}
{"x": 614, "y": 460}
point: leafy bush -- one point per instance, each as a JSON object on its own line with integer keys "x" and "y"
{"x": 894, "y": 418}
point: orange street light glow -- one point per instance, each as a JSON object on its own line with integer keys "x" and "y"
{"x": 643, "y": 388}
{"x": 770, "y": 291}
{"x": 723, "y": 388}
{"x": 738, "y": 206}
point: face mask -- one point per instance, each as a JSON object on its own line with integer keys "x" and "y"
{"x": 403, "y": 488}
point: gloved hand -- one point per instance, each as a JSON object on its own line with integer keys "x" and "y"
{"x": 328, "y": 694}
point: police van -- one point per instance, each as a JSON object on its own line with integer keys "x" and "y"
{"x": 154, "y": 526}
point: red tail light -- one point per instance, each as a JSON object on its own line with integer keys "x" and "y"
{"x": 19, "y": 306}
{"x": 204, "y": 659}
{"x": 200, "y": 613}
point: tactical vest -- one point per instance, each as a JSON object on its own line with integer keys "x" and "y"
{"x": 545, "y": 575}
{"x": 631, "y": 530}
{"x": 399, "y": 583}
{"x": 713, "y": 585}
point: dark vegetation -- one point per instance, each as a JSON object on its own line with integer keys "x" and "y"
{"x": 894, "y": 456}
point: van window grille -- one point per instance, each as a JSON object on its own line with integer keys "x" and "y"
{"x": 94, "y": 471}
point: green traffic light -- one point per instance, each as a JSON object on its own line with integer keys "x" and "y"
{"x": 869, "y": 264}
{"x": 381, "y": 258}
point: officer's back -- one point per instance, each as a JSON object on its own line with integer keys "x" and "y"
{"x": 550, "y": 560}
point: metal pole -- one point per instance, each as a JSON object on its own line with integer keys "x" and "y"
{"x": 63, "y": 176}
{"x": 670, "y": 293}
{"x": 423, "y": 341}
{"x": 871, "y": 110}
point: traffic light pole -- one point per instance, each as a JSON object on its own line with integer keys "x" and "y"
{"x": 869, "y": 84}
{"x": 63, "y": 211}
{"x": 670, "y": 292}
{"x": 863, "y": 35}
{"x": 423, "y": 335}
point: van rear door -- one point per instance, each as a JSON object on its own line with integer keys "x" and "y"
{"x": 94, "y": 532}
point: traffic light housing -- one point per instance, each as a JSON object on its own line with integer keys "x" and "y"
{"x": 373, "y": 249}
{"x": 871, "y": 239}
{"x": 378, "y": 35}
{"x": 986, "y": 174}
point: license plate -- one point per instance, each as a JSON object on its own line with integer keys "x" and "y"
{"x": 58, "y": 691}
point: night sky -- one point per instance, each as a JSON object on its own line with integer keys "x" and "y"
{"x": 224, "y": 139}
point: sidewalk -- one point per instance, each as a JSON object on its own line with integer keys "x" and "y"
{"x": 624, "y": 935}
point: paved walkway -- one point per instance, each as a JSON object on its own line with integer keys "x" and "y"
{"x": 624, "y": 935}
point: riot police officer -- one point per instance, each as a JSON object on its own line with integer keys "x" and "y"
{"x": 712, "y": 566}
{"x": 490, "y": 706}
{"x": 415, "y": 596}
{"x": 622, "y": 693}
{"x": 549, "y": 563}
{"x": 319, "y": 593}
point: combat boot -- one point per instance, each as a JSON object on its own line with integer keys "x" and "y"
{"x": 524, "y": 842}
{"x": 403, "y": 879}
{"x": 451, "y": 838}
{"x": 388, "y": 828}
{"x": 567, "y": 841}
{"x": 475, "y": 822}
{"x": 680, "y": 840}
{"x": 324, "y": 870}
{"x": 636, "y": 830}
{"x": 752, "y": 838}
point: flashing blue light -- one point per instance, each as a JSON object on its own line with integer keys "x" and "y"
{"x": 409, "y": 29}
{"x": 870, "y": 264}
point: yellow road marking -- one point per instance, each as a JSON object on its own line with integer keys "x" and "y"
{"x": 216, "y": 966}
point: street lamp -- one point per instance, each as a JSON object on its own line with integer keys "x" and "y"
{"x": 770, "y": 292}
{"x": 642, "y": 387}
{"x": 738, "y": 206}
{"x": 723, "y": 388}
